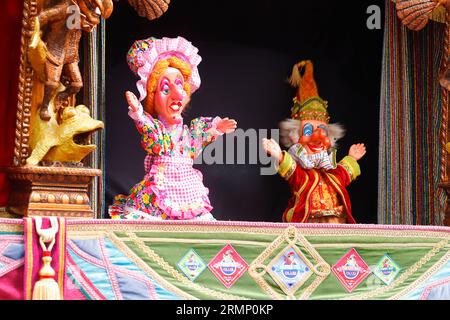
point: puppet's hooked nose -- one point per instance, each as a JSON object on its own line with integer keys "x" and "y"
{"x": 320, "y": 136}
{"x": 176, "y": 94}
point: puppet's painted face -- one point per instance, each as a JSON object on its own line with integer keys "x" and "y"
{"x": 170, "y": 97}
{"x": 314, "y": 136}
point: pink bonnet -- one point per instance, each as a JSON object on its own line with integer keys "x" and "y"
{"x": 144, "y": 54}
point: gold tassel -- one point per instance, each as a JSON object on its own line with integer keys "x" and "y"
{"x": 295, "y": 78}
{"x": 46, "y": 288}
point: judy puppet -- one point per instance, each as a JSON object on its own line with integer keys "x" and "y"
{"x": 171, "y": 189}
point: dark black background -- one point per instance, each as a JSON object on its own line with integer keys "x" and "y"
{"x": 248, "y": 49}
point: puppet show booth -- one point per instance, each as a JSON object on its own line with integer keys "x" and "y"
{"x": 279, "y": 150}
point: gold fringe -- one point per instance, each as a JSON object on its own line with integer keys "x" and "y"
{"x": 438, "y": 14}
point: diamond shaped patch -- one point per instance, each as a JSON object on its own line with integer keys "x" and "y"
{"x": 351, "y": 270}
{"x": 289, "y": 269}
{"x": 191, "y": 264}
{"x": 291, "y": 261}
{"x": 228, "y": 266}
{"x": 386, "y": 269}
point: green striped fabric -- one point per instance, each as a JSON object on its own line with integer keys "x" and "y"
{"x": 410, "y": 120}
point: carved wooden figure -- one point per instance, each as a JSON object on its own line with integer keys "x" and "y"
{"x": 52, "y": 132}
{"x": 61, "y": 131}
{"x": 62, "y": 23}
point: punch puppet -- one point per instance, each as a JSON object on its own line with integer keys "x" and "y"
{"x": 317, "y": 182}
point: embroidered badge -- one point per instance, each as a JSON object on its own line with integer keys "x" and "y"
{"x": 386, "y": 269}
{"x": 290, "y": 269}
{"x": 228, "y": 266}
{"x": 192, "y": 264}
{"x": 351, "y": 270}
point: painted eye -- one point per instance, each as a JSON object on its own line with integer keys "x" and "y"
{"x": 179, "y": 82}
{"x": 307, "y": 129}
{"x": 324, "y": 128}
{"x": 165, "y": 89}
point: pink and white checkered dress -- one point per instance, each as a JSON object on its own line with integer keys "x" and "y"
{"x": 171, "y": 188}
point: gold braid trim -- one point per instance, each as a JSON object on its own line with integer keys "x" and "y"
{"x": 97, "y": 228}
{"x": 351, "y": 166}
{"x": 292, "y": 236}
{"x": 11, "y": 228}
{"x": 177, "y": 275}
{"x": 62, "y": 258}
{"x": 259, "y": 279}
{"x": 313, "y": 286}
{"x": 321, "y": 263}
{"x": 88, "y": 234}
{"x": 423, "y": 278}
{"x": 145, "y": 267}
{"x": 413, "y": 269}
{"x": 385, "y": 245}
{"x": 202, "y": 241}
{"x": 287, "y": 166}
{"x": 28, "y": 239}
{"x": 308, "y": 196}
{"x": 290, "y": 213}
{"x": 258, "y": 263}
{"x": 312, "y": 115}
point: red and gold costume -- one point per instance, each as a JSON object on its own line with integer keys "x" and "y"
{"x": 318, "y": 184}
{"x": 319, "y": 195}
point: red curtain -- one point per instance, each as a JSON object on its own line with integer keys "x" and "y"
{"x": 11, "y": 12}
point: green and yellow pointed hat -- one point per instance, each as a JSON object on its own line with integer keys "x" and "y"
{"x": 307, "y": 103}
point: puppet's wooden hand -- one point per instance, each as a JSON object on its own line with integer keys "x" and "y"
{"x": 133, "y": 101}
{"x": 357, "y": 151}
{"x": 273, "y": 149}
{"x": 226, "y": 125}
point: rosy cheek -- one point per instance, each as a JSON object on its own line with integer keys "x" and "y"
{"x": 160, "y": 99}
{"x": 304, "y": 140}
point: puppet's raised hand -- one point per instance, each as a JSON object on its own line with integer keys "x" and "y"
{"x": 226, "y": 125}
{"x": 273, "y": 149}
{"x": 133, "y": 101}
{"x": 357, "y": 151}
